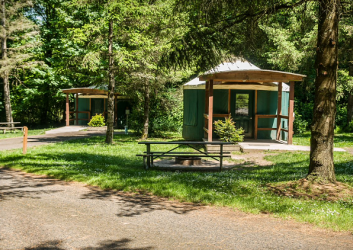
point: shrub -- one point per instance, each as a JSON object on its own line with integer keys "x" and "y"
{"x": 97, "y": 121}
{"x": 299, "y": 124}
{"x": 227, "y": 130}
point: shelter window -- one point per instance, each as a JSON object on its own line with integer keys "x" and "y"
{"x": 242, "y": 104}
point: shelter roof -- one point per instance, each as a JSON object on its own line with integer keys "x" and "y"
{"x": 92, "y": 90}
{"x": 242, "y": 74}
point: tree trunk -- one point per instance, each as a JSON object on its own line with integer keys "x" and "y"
{"x": 350, "y": 95}
{"x": 5, "y": 76}
{"x": 322, "y": 131}
{"x": 146, "y": 112}
{"x": 111, "y": 89}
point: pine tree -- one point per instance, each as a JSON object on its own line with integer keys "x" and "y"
{"x": 17, "y": 37}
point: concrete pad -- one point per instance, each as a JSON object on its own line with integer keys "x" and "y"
{"x": 262, "y": 145}
{"x": 66, "y": 129}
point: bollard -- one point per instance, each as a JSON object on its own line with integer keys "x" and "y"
{"x": 25, "y": 136}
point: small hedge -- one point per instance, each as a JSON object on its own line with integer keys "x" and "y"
{"x": 97, "y": 121}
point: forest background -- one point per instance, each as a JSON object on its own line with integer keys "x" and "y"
{"x": 58, "y": 44}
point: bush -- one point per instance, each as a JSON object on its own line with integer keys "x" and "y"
{"x": 227, "y": 131}
{"x": 299, "y": 124}
{"x": 97, "y": 121}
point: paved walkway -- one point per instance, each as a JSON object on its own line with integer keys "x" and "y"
{"x": 37, "y": 140}
{"x": 261, "y": 145}
{"x": 41, "y": 213}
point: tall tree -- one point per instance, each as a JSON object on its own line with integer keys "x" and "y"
{"x": 16, "y": 34}
{"x": 111, "y": 87}
{"x": 322, "y": 130}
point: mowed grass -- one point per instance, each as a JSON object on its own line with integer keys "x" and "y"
{"x": 117, "y": 167}
{"x": 341, "y": 140}
{"x": 19, "y": 133}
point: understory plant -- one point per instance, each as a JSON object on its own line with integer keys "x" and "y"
{"x": 227, "y": 131}
{"x": 97, "y": 121}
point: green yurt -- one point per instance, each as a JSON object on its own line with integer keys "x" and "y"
{"x": 258, "y": 100}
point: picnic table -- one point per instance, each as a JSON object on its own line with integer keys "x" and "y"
{"x": 8, "y": 126}
{"x": 150, "y": 154}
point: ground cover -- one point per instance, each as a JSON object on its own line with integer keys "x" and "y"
{"x": 116, "y": 167}
{"x": 341, "y": 140}
{"x": 19, "y": 133}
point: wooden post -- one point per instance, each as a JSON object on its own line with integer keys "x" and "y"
{"x": 76, "y": 109}
{"x": 279, "y": 111}
{"x": 290, "y": 113}
{"x": 206, "y": 107}
{"x": 256, "y": 119}
{"x": 25, "y": 137}
{"x": 210, "y": 111}
{"x": 67, "y": 111}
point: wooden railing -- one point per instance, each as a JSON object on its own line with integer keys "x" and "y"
{"x": 206, "y": 116}
{"x": 80, "y": 119}
{"x": 269, "y": 129}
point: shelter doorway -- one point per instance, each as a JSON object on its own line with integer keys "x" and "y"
{"x": 242, "y": 104}
{"x": 97, "y": 106}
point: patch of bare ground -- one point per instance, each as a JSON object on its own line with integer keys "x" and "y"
{"x": 349, "y": 150}
{"x": 313, "y": 190}
{"x": 252, "y": 159}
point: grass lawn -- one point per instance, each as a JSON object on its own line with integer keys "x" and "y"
{"x": 116, "y": 167}
{"x": 341, "y": 140}
{"x": 19, "y": 133}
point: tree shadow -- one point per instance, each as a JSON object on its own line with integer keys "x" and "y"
{"x": 103, "y": 245}
{"x": 16, "y": 184}
{"x": 131, "y": 204}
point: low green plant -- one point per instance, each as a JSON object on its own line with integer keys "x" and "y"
{"x": 227, "y": 131}
{"x": 97, "y": 121}
{"x": 299, "y": 125}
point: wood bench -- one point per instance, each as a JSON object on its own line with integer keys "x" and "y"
{"x": 149, "y": 155}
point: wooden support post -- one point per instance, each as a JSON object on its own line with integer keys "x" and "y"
{"x": 67, "y": 111}
{"x": 210, "y": 111}
{"x": 25, "y": 138}
{"x": 279, "y": 111}
{"x": 256, "y": 119}
{"x": 206, "y": 108}
{"x": 290, "y": 113}
{"x": 76, "y": 109}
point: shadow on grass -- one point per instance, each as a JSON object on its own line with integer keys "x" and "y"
{"x": 106, "y": 244}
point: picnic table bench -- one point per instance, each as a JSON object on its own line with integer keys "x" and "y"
{"x": 149, "y": 155}
{"x": 4, "y": 126}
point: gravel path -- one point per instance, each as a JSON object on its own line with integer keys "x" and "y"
{"x": 41, "y": 213}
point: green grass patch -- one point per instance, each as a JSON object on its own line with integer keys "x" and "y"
{"x": 116, "y": 167}
{"x": 341, "y": 140}
{"x": 19, "y": 133}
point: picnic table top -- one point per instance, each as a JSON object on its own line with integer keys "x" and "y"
{"x": 187, "y": 142}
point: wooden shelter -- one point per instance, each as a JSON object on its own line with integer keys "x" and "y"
{"x": 250, "y": 95}
{"x": 90, "y": 101}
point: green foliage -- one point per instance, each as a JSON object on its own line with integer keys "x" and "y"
{"x": 227, "y": 131}
{"x": 97, "y": 121}
{"x": 299, "y": 124}
{"x": 166, "y": 113}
